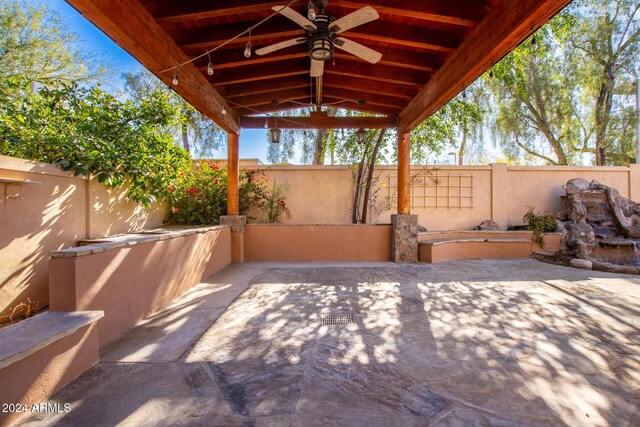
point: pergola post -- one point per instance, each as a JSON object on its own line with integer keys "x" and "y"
{"x": 405, "y": 226}
{"x": 233, "y": 217}
{"x": 233, "y": 170}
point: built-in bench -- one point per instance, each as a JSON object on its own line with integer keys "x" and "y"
{"x": 438, "y": 246}
{"x": 131, "y": 276}
{"x": 40, "y": 355}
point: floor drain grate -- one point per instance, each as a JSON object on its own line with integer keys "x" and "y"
{"x": 336, "y": 319}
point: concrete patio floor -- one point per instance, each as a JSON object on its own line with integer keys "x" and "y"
{"x": 473, "y": 342}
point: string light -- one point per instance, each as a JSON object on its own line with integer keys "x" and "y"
{"x": 189, "y": 61}
{"x": 175, "y": 80}
{"x": 210, "y": 65}
{"x": 266, "y": 123}
{"x": 311, "y": 11}
{"x": 224, "y": 110}
{"x": 247, "y": 48}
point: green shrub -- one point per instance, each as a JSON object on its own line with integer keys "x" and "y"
{"x": 200, "y": 197}
{"x": 539, "y": 223}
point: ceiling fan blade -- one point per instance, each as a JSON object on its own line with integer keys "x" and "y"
{"x": 317, "y": 68}
{"x": 358, "y": 50}
{"x": 277, "y": 46}
{"x": 359, "y": 17}
{"x": 295, "y": 17}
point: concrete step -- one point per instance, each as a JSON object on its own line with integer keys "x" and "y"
{"x": 444, "y": 249}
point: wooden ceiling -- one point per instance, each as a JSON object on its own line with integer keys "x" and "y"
{"x": 430, "y": 49}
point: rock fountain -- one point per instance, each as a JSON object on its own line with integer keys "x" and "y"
{"x": 600, "y": 228}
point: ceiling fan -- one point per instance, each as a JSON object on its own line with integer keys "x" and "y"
{"x": 321, "y": 30}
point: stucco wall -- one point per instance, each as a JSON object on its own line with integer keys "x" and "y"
{"x": 317, "y": 242}
{"x": 323, "y": 194}
{"x": 54, "y": 212}
{"x": 133, "y": 280}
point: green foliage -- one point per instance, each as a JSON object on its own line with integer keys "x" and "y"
{"x": 539, "y": 224}
{"x": 89, "y": 131}
{"x": 199, "y": 197}
{"x": 568, "y": 93}
{"x": 36, "y": 44}
{"x": 197, "y": 133}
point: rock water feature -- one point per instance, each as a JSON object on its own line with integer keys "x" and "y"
{"x": 600, "y": 228}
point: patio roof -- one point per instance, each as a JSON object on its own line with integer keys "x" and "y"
{"x": 431, "y": 50}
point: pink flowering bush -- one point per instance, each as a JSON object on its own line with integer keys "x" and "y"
{"x": 200, "y": 197}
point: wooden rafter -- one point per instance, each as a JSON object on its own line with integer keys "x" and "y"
{"x": 464, "y": 13}
{"x": 136, "y": 31}
{"x": 319, "y": 122}
{"x": 501, "y": 31}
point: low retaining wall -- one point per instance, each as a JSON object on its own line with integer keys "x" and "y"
{"x": 317, "y": 242}
{"x": 129, "y": 278}
{"x": 41, "y": 355}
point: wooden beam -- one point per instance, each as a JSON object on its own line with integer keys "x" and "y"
{"x": 268, "y": 109}
{"x": 365, "y": 85}
{"x": 502, "y": 30}
{"x": 265, "y": 72}
{"x": 373, "y": 99}
{"x": 404, "y": 174}
{"x": 399, "y": 58}
{"x": 168, "y": 12}
{"x": 214, "y": 35}
{"x": 234, "y": 58}
{"x": 389, "y": 33}
{"x": 263, "y": 86}
{"x": 137, "y": 32}
{"x": 233, "y": 173}
{"x": 393, "y": 75}
{"x": 319, "y": 122}
{"x": 279, "y": 95}
{"x": 465, "y": 13}
{"x": 403, "y": 35}
{"x": 354, "y": 106}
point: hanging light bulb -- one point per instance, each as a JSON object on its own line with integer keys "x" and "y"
{"x": 210, "y": 65}
{"x": 266, "y": 123}
{"x": 224, "y": 110}
{"x": 533, "y": 40}
{"x": 311, "y": 11}
{"x": 175, "y": 80}
{"x": 361, "y": 136}
{"x": 247, "y": 48}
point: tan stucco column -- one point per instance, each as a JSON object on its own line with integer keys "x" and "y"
{"x": 233, "y": 218}
{"x": 404, "y": 245}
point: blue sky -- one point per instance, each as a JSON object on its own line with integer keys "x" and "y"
{"x": 253, "y": 143}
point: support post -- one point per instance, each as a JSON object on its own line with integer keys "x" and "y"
{"x": 233, "y": 171}
{"x": 404, "y": 246}
{"x": 233, "y": 217}
{"x": 404, "y": 174}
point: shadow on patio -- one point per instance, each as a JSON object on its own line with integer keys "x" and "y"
{"x": 475, "y": 342}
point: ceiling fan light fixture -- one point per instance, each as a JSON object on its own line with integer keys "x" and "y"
{"x": 321, "y": 48}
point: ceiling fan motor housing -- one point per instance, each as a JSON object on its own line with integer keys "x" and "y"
{"x": 321, "y": 39}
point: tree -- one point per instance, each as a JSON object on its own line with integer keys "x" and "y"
{"x": 606, "y": 36}
{"x": 197, "y": 133}
{"x": 36, "y": 45}
{"x": 555, "y": 93}
{"x": 89, "y": 131}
